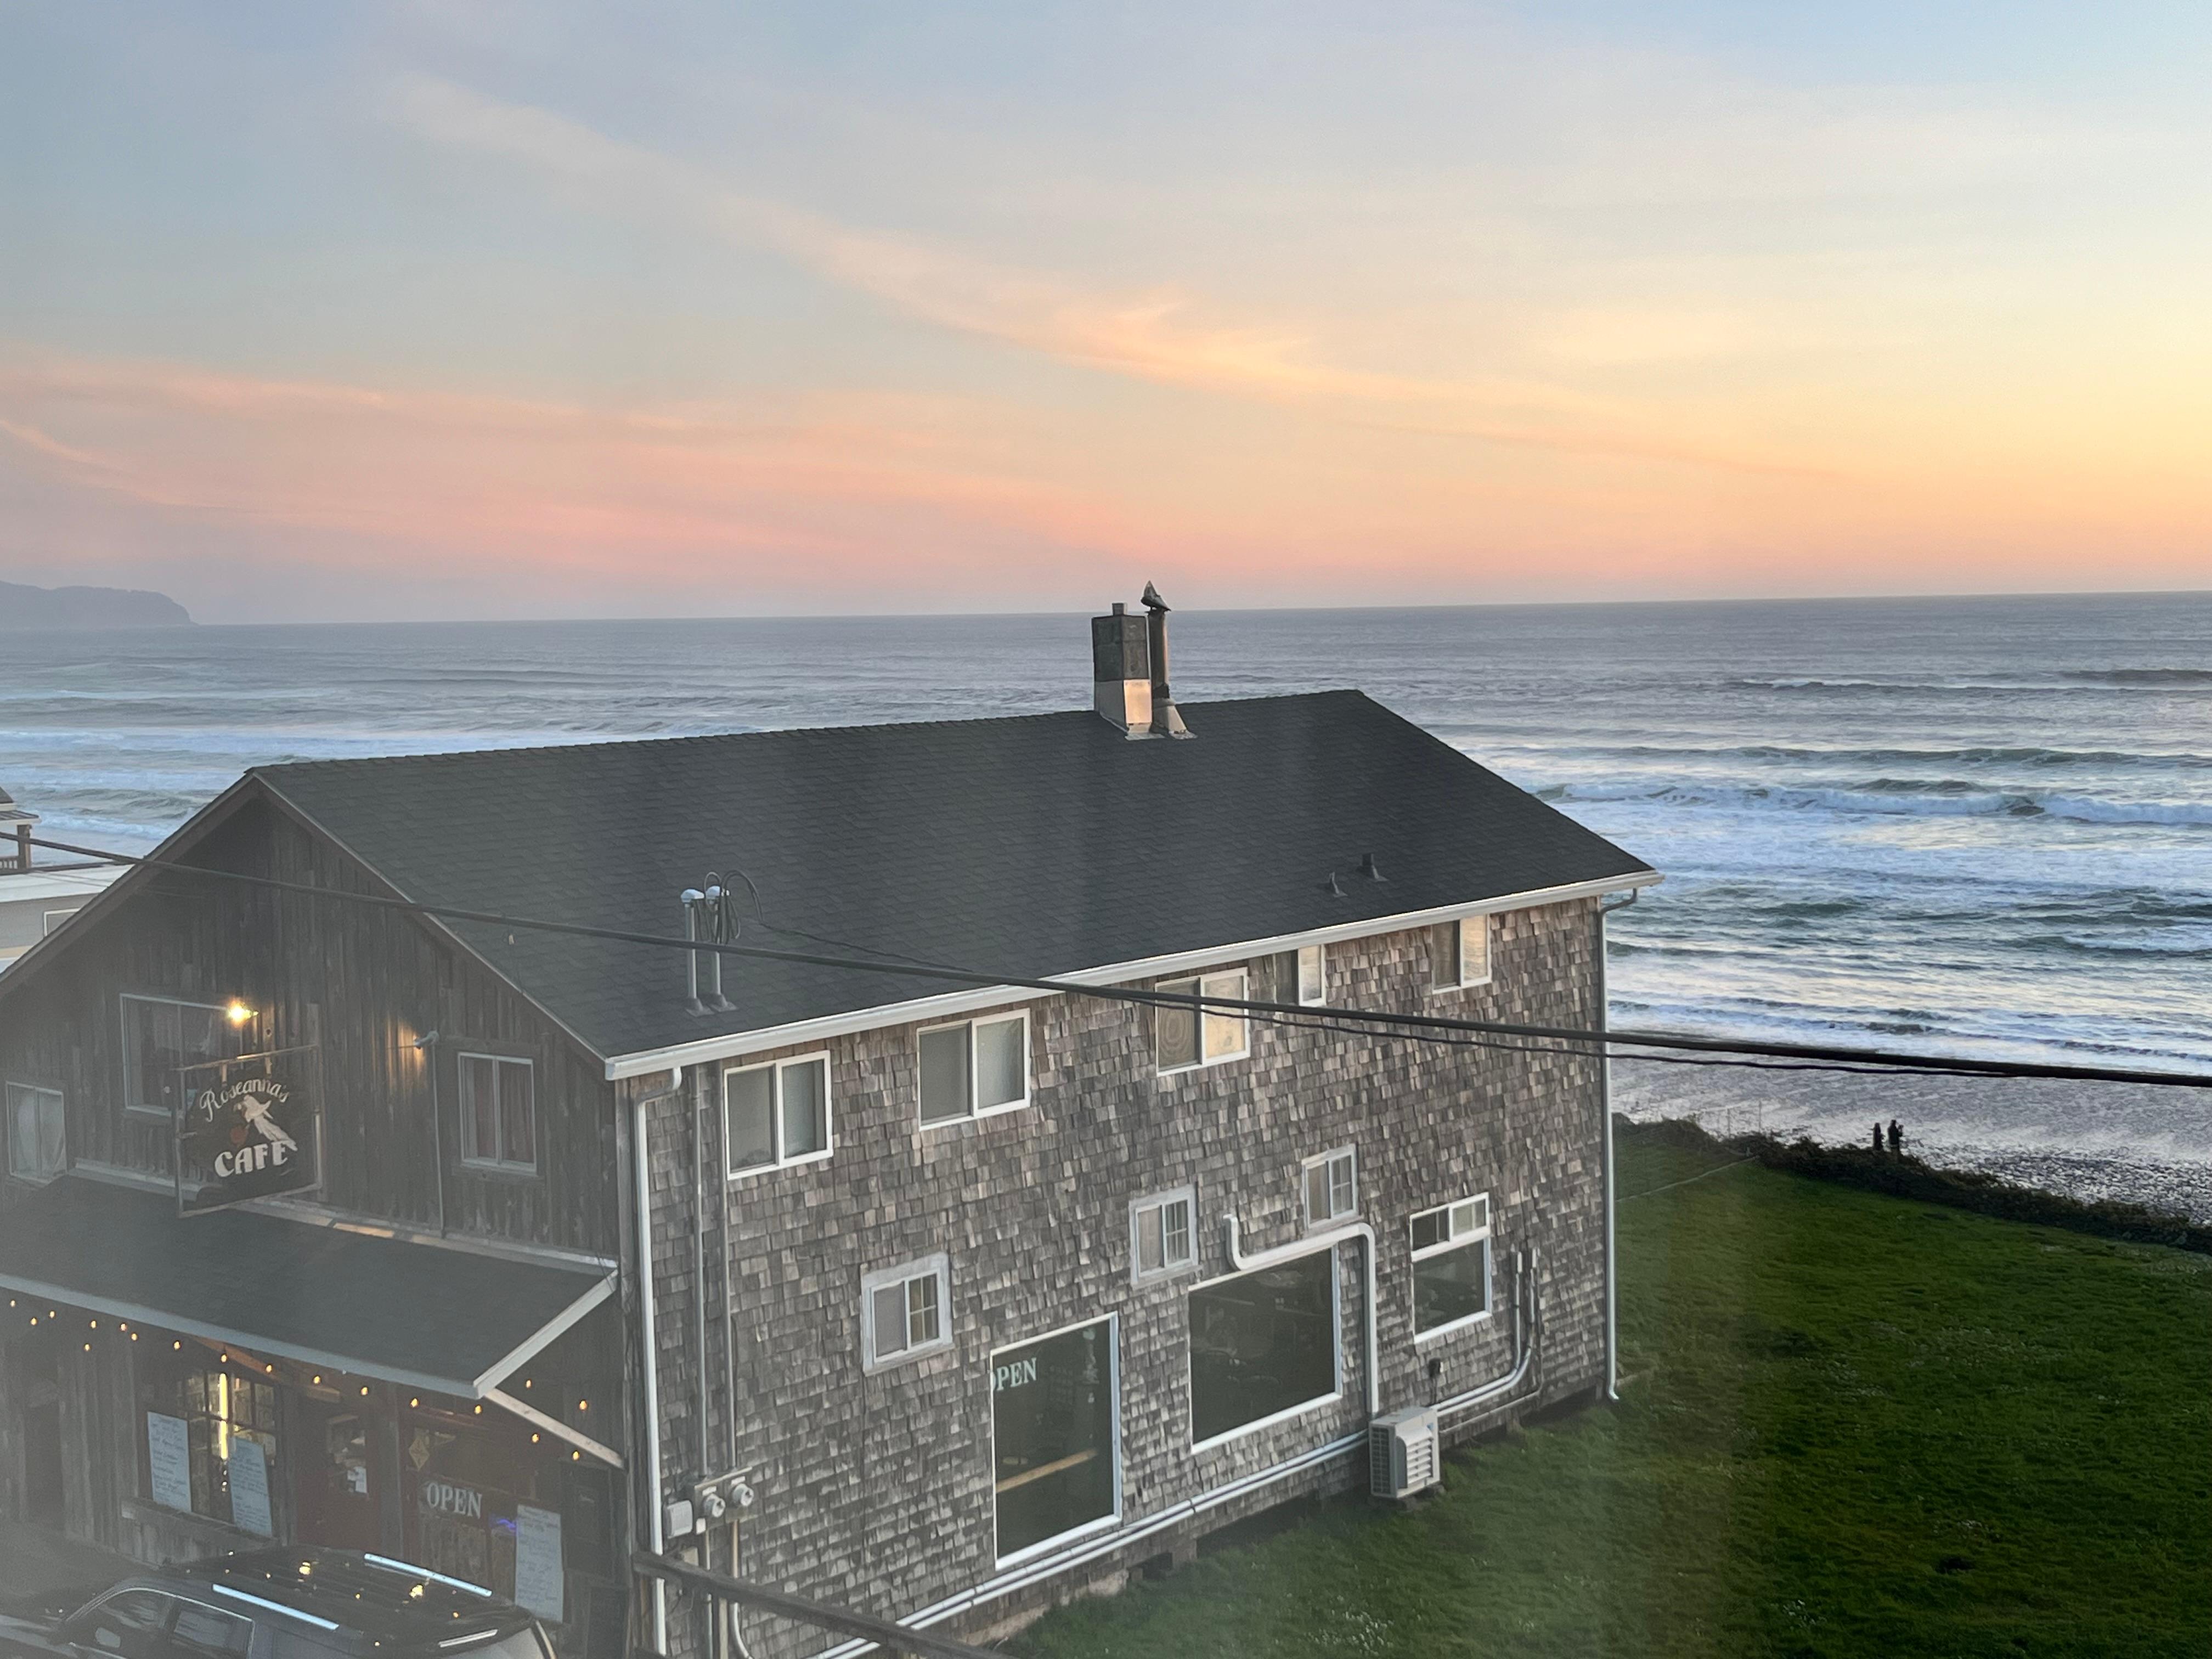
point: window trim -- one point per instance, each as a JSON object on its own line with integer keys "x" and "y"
{"x": 477, "y": 1161}
{"x": 1113, "y": 1518}
{"x": 1320, "y": 1401}
{"x": 974, "y": 1112}
{"x": 776, "y": 1069}
{"x": 130, "y": 1107}
{"x": 939, "y": 1265}
{"x": 1138, "y": 1274}
{"x": 1469, "y": 1240}
{"x": 8, "y": 1087}
{"x": 1197, "y": 982}
{"x": 53, "y": 919}
{"x": 1461, "y": 981}
{"x": 1320, "y": 998}
{"x": 1316, "y": 1223}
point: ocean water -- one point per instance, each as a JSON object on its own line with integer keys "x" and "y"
{"x": 1977, "y": 825}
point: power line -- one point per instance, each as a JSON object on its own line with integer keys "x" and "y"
{"x": 1712, "y": 1051}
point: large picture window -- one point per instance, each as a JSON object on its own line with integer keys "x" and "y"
{"x": 776, "y": 1114}
{"x": 1189, "y": 1037}
{"x": 1262, "y": 1346}
{"x": 499, "y": 1112}
{"x": 1053, "y": 1427}
{"x": 975, "y": 1067}
{"x": 36, "y": 1151}
{"x": 160, "y": 1038}
{"x": 1451, "y": 1265}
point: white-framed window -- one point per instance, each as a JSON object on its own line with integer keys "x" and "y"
{"x": 1163, "y": 1235}
{"x": 1190, "y": 1037}
{"x": 1451, "y": 1265}
{"x": 56, "y": 918}
{"x": 1313, "y": 975}
{"x": 906, "y": 1311}
{"x": 499, "y": 1112}
{"x": 161, "y": 1036}
{"x": 1264, "y": 1347}
{"x": 37, "y": 1148}
{"x": 974, "y": 1068}
{"x": 1332, "y": 1187}
{"x": 1459, "y": 953}
{"x": 776, "y": 1114}
{"x": 1056, "y": 1439}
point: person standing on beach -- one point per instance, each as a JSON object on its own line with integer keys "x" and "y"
{"x": 1896, "y": 1138}
{"x": 1877, "y": 1139}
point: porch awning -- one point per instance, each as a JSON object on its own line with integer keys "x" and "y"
{"x": 423, "y": 1315}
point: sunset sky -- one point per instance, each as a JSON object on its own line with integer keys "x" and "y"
{"x": 447, "y": 309}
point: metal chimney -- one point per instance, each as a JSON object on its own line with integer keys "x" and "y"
{"x": 1166, "y": 721}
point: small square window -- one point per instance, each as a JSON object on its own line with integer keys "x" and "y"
{"x": 1332, "y": 1187}
{"x": 36, "y": 1135}
{"x": 974, "y": 1068}
{"x": 1459, "y": 953}
{"x": 499, "y": 1111}
{"x": 1189, "y": 1037}
{"x": 777, "y": 1113}
{"x": 903, "y": 1310}
{"x": 1162, "y": 1238}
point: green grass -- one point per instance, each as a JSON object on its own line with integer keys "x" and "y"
{"x": 1854, "y": 1424}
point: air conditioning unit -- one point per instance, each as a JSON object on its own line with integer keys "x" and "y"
{"x": 1401, "y": 1453}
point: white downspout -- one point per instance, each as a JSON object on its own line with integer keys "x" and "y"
{"x": 1358, "y": 1229}
{"x": 639, "y": 1149}
{"x": 1605, "y": 1105}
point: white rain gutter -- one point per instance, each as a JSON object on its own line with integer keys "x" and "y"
{"x": 1258, "y": 1259}
{"x": 1605, "y": 1104}
{"x": 639, "y": 1148}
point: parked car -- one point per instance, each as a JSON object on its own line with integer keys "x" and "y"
{"x": 275, "y": 1604}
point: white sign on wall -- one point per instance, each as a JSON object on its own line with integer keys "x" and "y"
{"x": 249, "y": 1487}
{"x": 169, "y": 1455}
{"x": 538, "y": 1561}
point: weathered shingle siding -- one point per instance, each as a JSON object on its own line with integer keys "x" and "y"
{"x": 876, "y": 1490}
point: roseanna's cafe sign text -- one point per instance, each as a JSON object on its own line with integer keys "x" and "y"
{"x": 251, "y": 1136}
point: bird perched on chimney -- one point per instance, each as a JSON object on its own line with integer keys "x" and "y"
{"x": 1151, "y": 599}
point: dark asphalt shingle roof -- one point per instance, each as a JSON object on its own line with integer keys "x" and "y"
{"x": 1030, "y": 846}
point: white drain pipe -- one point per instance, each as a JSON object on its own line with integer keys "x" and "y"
{"x": 639, "y": 1150}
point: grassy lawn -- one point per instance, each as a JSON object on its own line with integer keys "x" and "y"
{"x": 1855, "y": 1425}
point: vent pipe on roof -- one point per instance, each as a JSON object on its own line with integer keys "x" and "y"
{"x": 1167, "y": 722}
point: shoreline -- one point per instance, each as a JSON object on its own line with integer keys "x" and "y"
{"x": 2133, "y": 1145}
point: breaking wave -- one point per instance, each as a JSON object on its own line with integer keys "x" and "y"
{"x": 1898, "y": 798}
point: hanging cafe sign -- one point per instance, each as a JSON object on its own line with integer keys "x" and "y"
{"x": 249, "y": 1127}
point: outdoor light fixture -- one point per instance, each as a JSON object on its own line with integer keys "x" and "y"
{"x": 238, "y": 1013}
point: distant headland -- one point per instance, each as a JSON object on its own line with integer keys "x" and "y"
{"x": 23, "y": 607}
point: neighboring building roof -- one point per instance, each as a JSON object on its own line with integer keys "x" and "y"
{"x": 1031, "y": 847}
